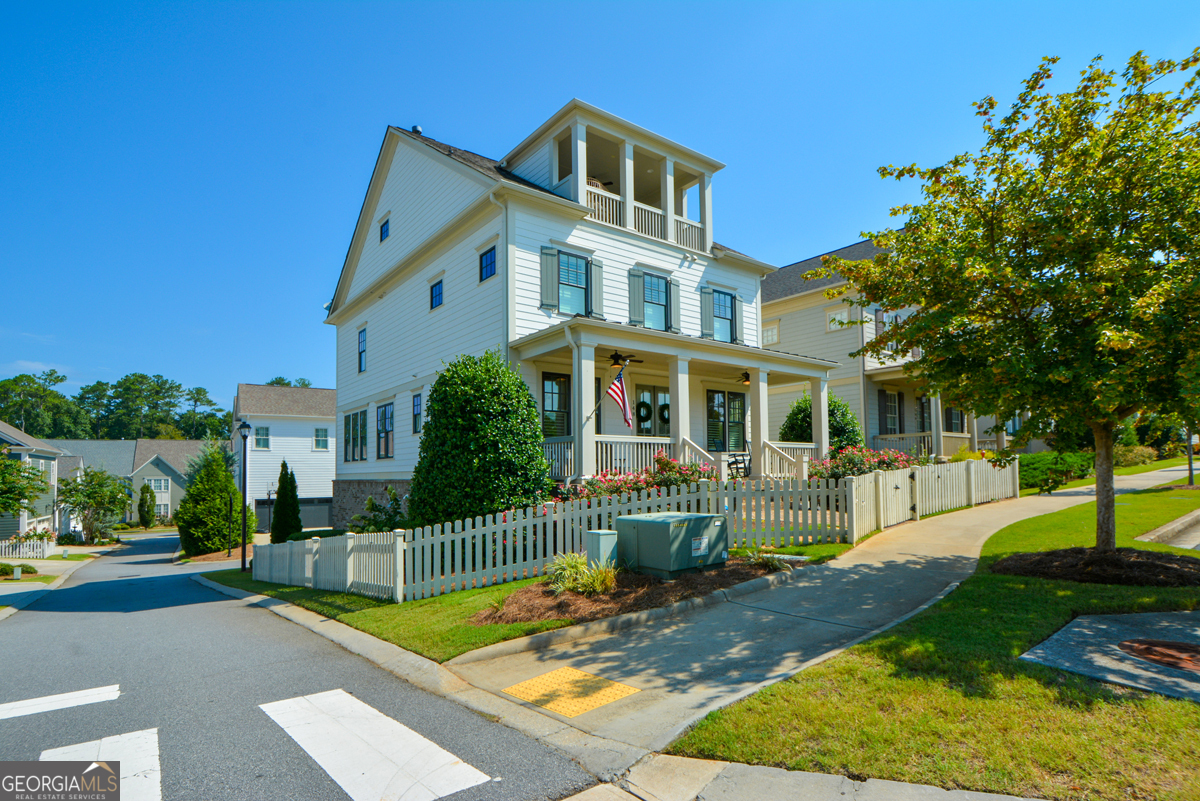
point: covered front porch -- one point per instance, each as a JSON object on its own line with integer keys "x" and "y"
{"x": 694, "y": 399}
{"x": 908, "y": 419}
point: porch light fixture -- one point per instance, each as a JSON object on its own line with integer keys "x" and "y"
{"x": 244, "y": 430}
{"x": 746, "y": 378}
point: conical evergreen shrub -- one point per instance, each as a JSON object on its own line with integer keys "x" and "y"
{"x": 145, "y": 507}
{"x": 204, "y": 519}
{"x": 285, "y": 516}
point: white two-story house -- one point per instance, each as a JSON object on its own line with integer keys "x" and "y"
{"x": 893, "y": 409}
{"x": 589, "y": 245}
{"x": 296, "y": 424}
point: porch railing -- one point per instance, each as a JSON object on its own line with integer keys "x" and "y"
{"x": 649, "y": 221}
{"x": 917, "y": 444}
{"x": 628, "y": 454}
{"x": 794, "y": 450}
{"x": 606, "y": 207}
{"x": 560, "y": 453}
{"x": 987, "y": 443}
{"x": 688, "y": 233}
{"x": 691, "y": 452}
{"x": 776, "y": 463}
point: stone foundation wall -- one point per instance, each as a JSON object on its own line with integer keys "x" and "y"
{"x": 350, "y": 496}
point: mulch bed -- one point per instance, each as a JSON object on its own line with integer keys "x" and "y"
{"x": 1127, "y": 566}
{"x": 634, "y": 593}
{"x": 220, "y": 556}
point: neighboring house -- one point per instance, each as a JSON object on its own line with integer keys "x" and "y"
{"x": 296, "y": 424}
{"x": 892, "y": 408}
{"x": 43, "y": 456}
{"x": 161, "y": 463}
{"x": 589, "y": 242}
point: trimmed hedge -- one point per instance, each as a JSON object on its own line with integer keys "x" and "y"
{"x": 1042, "y": 469}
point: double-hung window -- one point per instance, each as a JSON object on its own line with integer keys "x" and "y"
{"x": 891, "y": 413}
{"x": 262, "y": 438}
{"x": 383, "y": 431}
{"x": 320, "y": 439}
{"x": 572, "y": 283}
{"x": 416, "y": 413}
{"x": 362, "y": 350}
{"x": 556, "y": 405}
{"x": 435, "y": 294}
{"x": 656, "y": 296}
{"x": 726, "y": 420}
{"x": 487, "y": 264}
{"x": 354, "y": 439}
{"x": 955, "y": 420}
{"x": 723, "y": 316}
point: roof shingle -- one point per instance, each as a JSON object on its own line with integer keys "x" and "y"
{"x": 787, "y": 281}
{"x": 268, "y": 400}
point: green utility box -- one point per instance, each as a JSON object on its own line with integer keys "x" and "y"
{"x": 667, "y": 544}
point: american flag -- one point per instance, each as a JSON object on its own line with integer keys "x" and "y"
{"x": 616, "y": 391}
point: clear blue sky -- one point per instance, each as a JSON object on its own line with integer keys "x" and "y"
{"x": 180, "y": 182}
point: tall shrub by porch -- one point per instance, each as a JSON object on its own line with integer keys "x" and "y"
{"x": 481, "y": 444}
{"x": 844, "y": 430}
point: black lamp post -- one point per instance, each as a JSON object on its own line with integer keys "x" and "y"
{"x": 244, "y": 430}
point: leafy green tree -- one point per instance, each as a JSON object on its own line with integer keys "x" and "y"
{"x": 481, "y": 448}
{"x": 207, "y": 521}
{"x": 20, "y": 485}
{"x": 285, "y": 515}
{"x": 145, "y": 506}
{"x": 192, "y": 420}
{"x": 143, "y": 406}
{"x": 97, "y": 498}
{"x": 1055, "y": 271}
{"x": 303, "y": 383}
{"x": 380, "y": 517}
{"x": 844, "y": 430}
{"x": 211, "y": 449}
{"x": 96, "y": 401}
{"x": 32, "y": 404}
{"x": 279, "y": 381}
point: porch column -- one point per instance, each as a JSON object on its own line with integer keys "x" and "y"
{"x": 1001, "y": 437}
{"x": 627, "y": 182}
{"x": 668, "y": 199}
{"x": 935, "y": 411}
{"x": 583, "y": 380}
{"x": 706, "y": 212}
{"x": 820, "y": 415}
{"x": 579, "y": 162}
{"x": 758, "y": 420}
{"x": 973, "y": 430}
{"x": 681, "y": 417}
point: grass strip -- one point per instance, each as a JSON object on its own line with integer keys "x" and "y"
{"x": 943, "y": 700}
{"x": 817, "y": 553}
{"x": 1120, "y": 471}
{"x": 436, "y": 628}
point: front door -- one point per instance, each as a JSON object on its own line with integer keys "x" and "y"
{"x": 652, "y": 412}
{"x": 726, "y": 421}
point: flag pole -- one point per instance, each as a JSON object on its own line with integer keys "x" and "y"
{"x": 601, "y": 401}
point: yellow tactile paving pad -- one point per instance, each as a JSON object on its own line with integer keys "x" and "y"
{"x": 570, "y": 692}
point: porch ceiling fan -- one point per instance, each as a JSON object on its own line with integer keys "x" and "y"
{"x": 618, "y": 359}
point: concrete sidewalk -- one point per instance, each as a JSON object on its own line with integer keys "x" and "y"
{"x": 684, "y": 667}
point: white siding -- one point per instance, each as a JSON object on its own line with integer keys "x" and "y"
{"x": 535, "y": 167}
{"x": 421, "y": 195}
{"x": 780, "y": 401}
{"x": 407, "y": 342}
{"x": 291, "y": 439}
{"x": 620, "y": 252}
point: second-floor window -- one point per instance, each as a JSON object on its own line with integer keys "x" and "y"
{"x": 556, "y": 405}
{"x": 416, "y": 413}
{"x": 383, "y": 431}
{"x": 362, "y": 350}
{"x": 320, "y": 439}
{"x": 836, "y": 320}
{"x": 354, "y": 437}
{"x": 656, "y": 297}
{"x": 435, "y": 294}
{"x": 572, "y": 284}
{"x": 771, "y": 334}
{"x": 487, "y": 264}
{"x": 723, "y": 325}
{"x": 262, "y": 438}
{"x": 383, "y": 230}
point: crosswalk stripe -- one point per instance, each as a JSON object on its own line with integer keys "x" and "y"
{"x": 370, "y": 756}
{"x": 141, "y": 774}
{"x": 32, "y": 706}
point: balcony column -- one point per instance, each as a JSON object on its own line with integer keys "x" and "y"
{"x": 938, "y": 422}
{"x": 758, "y": 421}
{"x": 579, "y": 162}
{"x": 820, "y": 415}
{"x": 681, "y": 418}
{"x": 706, "y": 213}
{"x": 668, "y": 199}
{"x": 583, "y": 390}
{"x": 627, "y": 182}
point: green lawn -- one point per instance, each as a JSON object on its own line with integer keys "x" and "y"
{"x": 38, "y": 578}
{"x": 942, "y": 699}
{"x": 434, "y": 627}
{"x": 1120, "y": 471}
{"x": 816, "y": 553}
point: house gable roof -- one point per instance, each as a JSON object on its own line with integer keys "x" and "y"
{"x": 788, "y": 280}
{"x": 11, "y": 435}
{"x": 272, "y": 401}
{"x": 175, "y": 452}
{"x": 113, "y": 455}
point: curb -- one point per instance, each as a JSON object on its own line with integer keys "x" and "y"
{"x": 1169, "y": 530}
{"x": 610, "y": 625}
{"x": 606, "y": 759}
{"x": 35, "y": 595}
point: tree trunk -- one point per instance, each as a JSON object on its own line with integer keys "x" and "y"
{"x": 1106, "y": 498}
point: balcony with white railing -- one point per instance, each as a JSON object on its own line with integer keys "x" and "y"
{"x": 605, "y": 206}
{"x": 648, "y": 221}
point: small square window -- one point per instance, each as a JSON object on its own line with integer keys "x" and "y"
{"x": 321, "y": 439}
{"x": 435, "y": 295}
{"x": 262, "y": 437}
{"x": 416, "y": 414}
{"x": 487, "y": 264}
{"x": 836, "y": 320}
{"x": 383, "y": 230}
{"x": 771, "y": 334}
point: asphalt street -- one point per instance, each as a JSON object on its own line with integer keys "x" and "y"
{"x": 197, "y": 665}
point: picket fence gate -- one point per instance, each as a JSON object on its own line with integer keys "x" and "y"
{"x": 495, "y": 549}
{"x": 28, "y": 549}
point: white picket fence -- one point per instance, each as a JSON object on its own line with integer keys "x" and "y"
{"x": 40, "y": 549}
{"x": 495, "y": 549}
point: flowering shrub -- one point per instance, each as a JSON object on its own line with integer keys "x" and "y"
{"x": 860, "y": 461}
{"x": 666, "y": 472}
{"x": 35, "y": 535}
